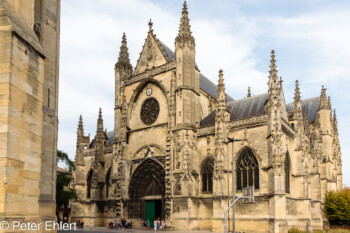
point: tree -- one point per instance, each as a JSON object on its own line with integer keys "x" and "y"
{"x": 63, "y": 192}
{"x": 63, "y": 157}
{"x": 337, "y": 207}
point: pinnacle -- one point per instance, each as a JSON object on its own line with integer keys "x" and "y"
{"x": 80, "y": 124}
{"x": 249, "y": 94}
{"x": 329, "y": 103}
{"x": 323, "y": 101}
{"x": 123, "y": 60}
{"x": 185, "y": 33}
{"x": 297, "y": 97}
{"x": 221, "y": 77}
{"x": 273, "y": 61}
{"x": 184, "y": 8}
{"x": 100, "y": 114}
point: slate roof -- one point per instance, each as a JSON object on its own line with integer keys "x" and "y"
{"x": 309, "y": 106}
{"x": 208, "y": 86}
{"x": 247, "y": 107}
{"x": 168, "y": 52}
{"x": 20, "y": 27}
{"x": 255, "y": 106}
{"x": 110, "y": 136}
{"x": 240, "y": 109}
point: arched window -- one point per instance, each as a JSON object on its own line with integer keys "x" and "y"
{"x": 247, "y": 170}
{"x": 108, "y": 175}
{"x": 287, "y": 173}
{"x": 207, "y": 175}
{"x": 88, "y": 183}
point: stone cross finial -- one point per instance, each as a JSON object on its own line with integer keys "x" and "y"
{"x": 150, "y": 25}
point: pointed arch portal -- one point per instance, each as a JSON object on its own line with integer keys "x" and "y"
{"x": 146, "y": 191}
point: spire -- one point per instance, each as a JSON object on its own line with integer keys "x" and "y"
{"x": 221, "y": 97}
{"x": 323, "y": 101}
{"x": 249, "y": 94}
{"x": 274, "y": 83}
{"x": 185, "y": 33}
{"x": 123, "y": 60}
{"x": 297, "y": 97}
{"x": 335, "y": 122}
{"x": 99, "y": 123}
{"x": 80, "y": 131}
{"x": 329, "y": 103}
{"x": 273, "y": 77}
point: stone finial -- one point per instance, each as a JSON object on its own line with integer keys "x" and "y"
{"x": 221, "y": 76}
{"x": 274, "y": 85}
{"x": 297, "y": 97}
{"x": 150, "y": 25}
{"x": 80, "y": 124}
{"x": 329, "y": 103}
{"x": 80, "y": 131}
{"x": 273, "y": 77}
{"x": 185, "y": 34}
{"x": 99, "y": 123}
{"x": 323, "y": 100}
{"x": 123, "y": 59}
{"x": 221, "y": 96}
{"x": 335, "y": 122}
{"x": 249, "y": 94}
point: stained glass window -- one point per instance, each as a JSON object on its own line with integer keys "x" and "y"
{"x": 247, "y": 170}
{"x": 207, "y": 175}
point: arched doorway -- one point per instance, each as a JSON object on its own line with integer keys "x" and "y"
{"x": 146, "y": 191}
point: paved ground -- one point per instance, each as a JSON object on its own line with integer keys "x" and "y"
{"x": 104, "y": 229}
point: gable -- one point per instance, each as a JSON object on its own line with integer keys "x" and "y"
{"x": 152, "y": 54}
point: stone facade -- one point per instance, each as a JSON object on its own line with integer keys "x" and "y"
{"x": 169, "y": 155}
{"x": 29, "y": 48}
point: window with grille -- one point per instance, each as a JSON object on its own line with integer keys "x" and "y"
{"x": 207, "y": 175}
{"x": 287, "y": 173}
{"x": 247, "y": 170}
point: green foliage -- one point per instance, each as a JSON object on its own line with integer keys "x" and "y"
{"x": 63, "y": 193}
{"x": 337, "y": 207}
{"x": 63, "y": 157}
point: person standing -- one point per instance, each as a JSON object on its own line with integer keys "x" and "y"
{"x": 155, "y": 224}
{"x": 148, "y": 224}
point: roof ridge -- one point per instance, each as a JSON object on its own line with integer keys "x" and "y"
{"x": 255, "y": 96}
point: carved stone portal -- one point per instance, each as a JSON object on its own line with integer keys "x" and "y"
{"x": 147, "y": 181}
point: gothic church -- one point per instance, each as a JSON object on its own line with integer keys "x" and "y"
{"x": 169, "y": 154}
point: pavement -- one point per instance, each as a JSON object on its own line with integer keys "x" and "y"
{"x": 105, "y": 229}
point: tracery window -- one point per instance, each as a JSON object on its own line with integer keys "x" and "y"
{"x": 287, "y": 173}
{"x": 207, "y": 175}
{"x": 149, "y": 111}
{"x": 88, "y": 182}
{"x": 247, "y": 170}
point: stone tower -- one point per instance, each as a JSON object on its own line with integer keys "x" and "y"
{"x": 29, "y": 35}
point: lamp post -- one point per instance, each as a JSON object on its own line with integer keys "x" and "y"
{"x": 232, "y": 140}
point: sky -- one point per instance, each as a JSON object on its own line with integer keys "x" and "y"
{"x": 311, "y": 39}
